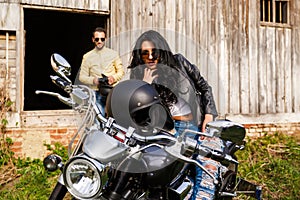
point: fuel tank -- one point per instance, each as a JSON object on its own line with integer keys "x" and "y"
{"x": 162, "y": 167}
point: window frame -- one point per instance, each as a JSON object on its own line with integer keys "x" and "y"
{"x": 273, "y": 23}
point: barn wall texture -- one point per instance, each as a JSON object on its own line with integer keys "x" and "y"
{"x": 253, "y": 67}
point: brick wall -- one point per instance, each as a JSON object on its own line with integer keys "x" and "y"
{"x": 30, "y": 142}
{"x": 257, "y": 130}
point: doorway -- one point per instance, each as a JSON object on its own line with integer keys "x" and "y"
{"x": 48, "y": 32}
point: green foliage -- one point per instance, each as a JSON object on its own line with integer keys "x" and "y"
{"x": 272, "y": 161}
{"x": 8, "y": 103}
{"x": 5, "y": 153}
{"x": 59, "y": 150}
{"x": 4, "y": 122}
{"x": 34, "y": 182}
{"x": 5, "y": 106}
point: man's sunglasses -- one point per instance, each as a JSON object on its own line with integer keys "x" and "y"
{"x": 155, "y": 53}
{"x": 97, "y": 39}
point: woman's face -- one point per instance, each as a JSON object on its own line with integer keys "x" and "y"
{"x": 149, "y": 54}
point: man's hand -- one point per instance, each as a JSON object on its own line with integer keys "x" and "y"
{"x": 95, "y": 81}
{"x": 111, "y": 80}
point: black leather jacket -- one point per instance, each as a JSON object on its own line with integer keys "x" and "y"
{"x": 203, "y": 103}
{"x": 189, "y": 85}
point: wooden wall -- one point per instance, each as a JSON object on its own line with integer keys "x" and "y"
{"x": 8, "y": 69}
{"x": 253, "y": 68}
{"x": 90, "y": 5}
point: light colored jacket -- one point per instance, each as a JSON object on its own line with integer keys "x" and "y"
{"x": 96, "y": 62}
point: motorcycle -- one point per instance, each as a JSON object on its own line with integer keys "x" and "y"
{"x": 108, "y": 161}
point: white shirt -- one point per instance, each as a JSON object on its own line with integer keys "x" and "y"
{"x": 180, "y": 108}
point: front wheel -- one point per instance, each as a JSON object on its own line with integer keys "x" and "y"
{"x": 58, "y": 192}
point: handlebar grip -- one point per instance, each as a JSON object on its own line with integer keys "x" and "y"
{"x": 60, "y": 82}
{"x": 215, "y": 155}
{"x": 218, "y": 157}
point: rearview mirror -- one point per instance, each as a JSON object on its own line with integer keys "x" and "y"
{"x": 61, "y": 66}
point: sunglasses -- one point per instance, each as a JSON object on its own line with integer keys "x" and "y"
{"x": 97, "y": 39}
{"x": 155, "y": 53}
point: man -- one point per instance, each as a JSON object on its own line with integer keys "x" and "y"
{"x": 98, "y": 62}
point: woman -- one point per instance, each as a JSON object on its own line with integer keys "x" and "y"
{"x": 153, "y": 62}
{"x": 179, "y": 84}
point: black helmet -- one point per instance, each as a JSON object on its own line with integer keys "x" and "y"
{"x": 137, "y": 104}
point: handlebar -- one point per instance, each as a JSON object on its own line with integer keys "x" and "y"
{"x": 188, "y": 145}
{"x": 65, "y": 100}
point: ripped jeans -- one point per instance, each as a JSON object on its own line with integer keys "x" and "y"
{"x": 203, "y": 185}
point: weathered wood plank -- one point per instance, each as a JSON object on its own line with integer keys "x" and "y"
{"x": 296, "y": 59}
{"x": 214, "y": 67}
{"x": 288, "y": 73}
{"x": 124, "y": 31}
{"x": 234, "y": 87}
{"x": 93, "y": 5}
{"x": 244, "y": 57}
{"x": 271, "y": 70}
{"x": 147, "y": 13}
{"x": 180, "y": 27}
{"x": 159, "y": 15}
{"x": 253, "y": 57}
{"x": 204, "y": 60}
{"x": 212, "y": 41}
{"x": 9, "y": 16}
{"x": 11, "y": 44}
{"x": 170, "y": 23}
{"x": 222, "y": 92}
{"x": 280, "y": 70}
{"x": 190, "y": 25}
{"x": 262, "y": 71}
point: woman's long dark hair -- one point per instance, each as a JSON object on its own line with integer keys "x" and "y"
{"x": 165, "y": 69}
{"x": 166, "y": 56}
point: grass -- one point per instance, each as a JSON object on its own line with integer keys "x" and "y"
{"x": 272, "y": 161}
{"x": 32, "y": 181}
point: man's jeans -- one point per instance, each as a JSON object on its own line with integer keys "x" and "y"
{"x": 101, "y": 101}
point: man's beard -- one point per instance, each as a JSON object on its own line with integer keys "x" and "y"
{"x": 99, "y": 48}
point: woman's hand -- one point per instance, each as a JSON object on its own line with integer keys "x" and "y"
{"x": 148, "y": 75}
{"x": 207, "y": 118}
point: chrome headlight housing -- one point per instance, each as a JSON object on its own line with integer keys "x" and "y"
{"x": 84, "y": 177}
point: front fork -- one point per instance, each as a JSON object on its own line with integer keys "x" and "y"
{"x": 59, "y": 191}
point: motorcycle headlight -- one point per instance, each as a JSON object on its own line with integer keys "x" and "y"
{"x": 83, "y": 177}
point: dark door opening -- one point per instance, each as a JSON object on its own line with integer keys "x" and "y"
{"x": 48, "y": 32}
